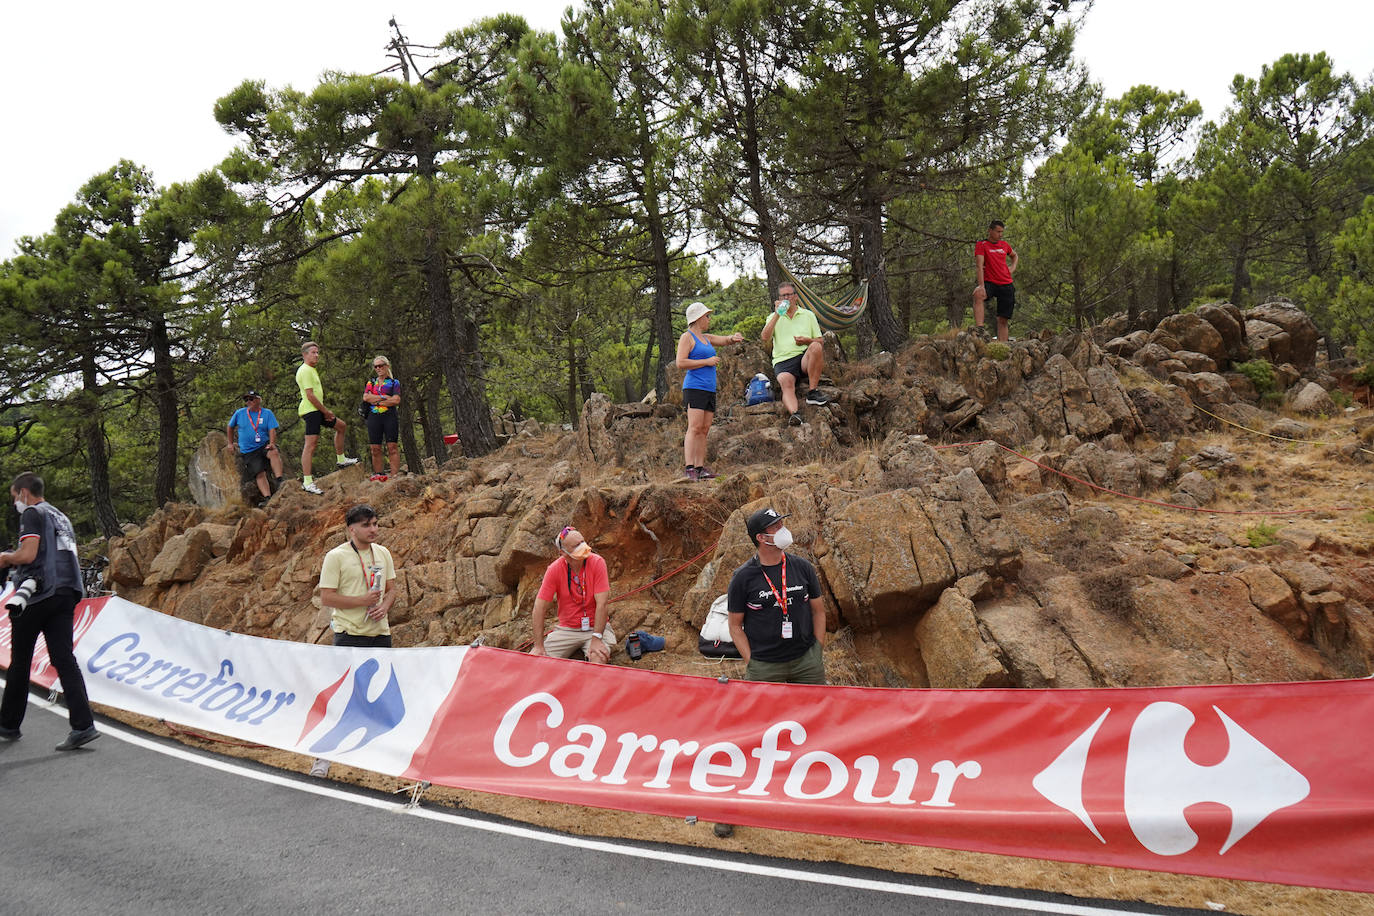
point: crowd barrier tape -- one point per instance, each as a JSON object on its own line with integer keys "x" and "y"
{"x": 1260, "y": 782}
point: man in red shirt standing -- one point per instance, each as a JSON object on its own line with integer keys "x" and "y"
{"x": 579, "y": 583}
{"x": 995, "y": 262}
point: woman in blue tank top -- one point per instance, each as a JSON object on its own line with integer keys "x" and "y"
{"x": 696, "y": 353}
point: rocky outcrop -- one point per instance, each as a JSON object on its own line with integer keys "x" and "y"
{"x": 950, "y": 561}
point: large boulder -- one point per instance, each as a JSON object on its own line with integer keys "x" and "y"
{"x": 953, "y": 647}
{"x": 1206, "y": 389}
{"x": 1311, "y": 399}
{"x": 1230, "y": 324}
{"x": 1196, "y": 335}
{"x": 886, "y": 562}
{"x": 1301, "y": 345}
{"x": 212, "y": 473}
{"x": 181, "y": 559}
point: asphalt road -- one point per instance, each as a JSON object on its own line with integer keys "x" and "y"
{"x": 134, "y": 824}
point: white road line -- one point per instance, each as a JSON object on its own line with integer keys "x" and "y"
{"x": 301, "y": 784}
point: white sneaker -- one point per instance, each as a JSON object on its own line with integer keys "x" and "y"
{"x": 320, "y": 769}
{"x": 345, "y": 462}
{"x": 311, "y": 488}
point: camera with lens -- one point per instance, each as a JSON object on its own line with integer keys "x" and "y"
{"x": 16, "y": 602}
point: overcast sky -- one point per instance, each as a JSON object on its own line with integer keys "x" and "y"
{"x": 86, "y": 84}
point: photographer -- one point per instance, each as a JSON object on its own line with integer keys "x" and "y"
{"x": 45, "y": 564}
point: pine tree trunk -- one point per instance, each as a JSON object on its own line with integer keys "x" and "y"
{"x": 165, "y": 396}
{"x": 471, "y": 413}
{"x": 98, "y": 459}
{"x": 890, "y": 334}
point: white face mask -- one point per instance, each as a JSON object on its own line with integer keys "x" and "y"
{"x": 19, "y": 506}
{"x": 783, "y": 539}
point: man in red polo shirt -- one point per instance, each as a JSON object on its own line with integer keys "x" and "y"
{"x": 580, "y": 585}
{"x": 995, "y": 262}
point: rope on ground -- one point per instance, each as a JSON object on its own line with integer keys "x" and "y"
{"x": 1272, "y": 435}
{"x": 203, "y": 737}
{"x": 667, "y": 576}
{"x": 1153, "y": 502}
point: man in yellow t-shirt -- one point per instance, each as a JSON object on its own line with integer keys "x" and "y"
{"x": 357, "y": 584}
{"x": 358, "y": 587}
{"x": 795, "y": 336}
{"x": 316, "y": 415}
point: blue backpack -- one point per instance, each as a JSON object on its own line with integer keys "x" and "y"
{"x": 758, "y": 392}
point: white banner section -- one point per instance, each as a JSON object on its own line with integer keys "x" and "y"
{"x": 369, "y": 708}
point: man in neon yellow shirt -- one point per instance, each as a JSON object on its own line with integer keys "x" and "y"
{"x": 795, "y": 336}
{"x": 316, "y": 415}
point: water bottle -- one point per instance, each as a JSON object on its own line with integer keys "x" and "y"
{"x": 377, "y": 583}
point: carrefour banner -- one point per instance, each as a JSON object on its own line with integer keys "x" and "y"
{"x": 369, "y": 708}
{"x": 1266, "y": 782}
{"x": 1262, "y": 782}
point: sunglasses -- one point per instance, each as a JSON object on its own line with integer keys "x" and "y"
{"x": 379, "y": 365}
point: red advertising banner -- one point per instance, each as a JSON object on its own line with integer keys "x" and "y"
{"x": 1266, "y": 782}
{"x": 41, "y": 671}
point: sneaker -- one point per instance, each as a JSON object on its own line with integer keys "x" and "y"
{"x": 9, "y": 734}
{"x": 690, "y": 474}
{"x": 262, "y": 503}
{"x": 377, "y": 478}
{"x": 76, "y": 739}
{"x": 796, "y": 419}
{"x": 346, "y": 462}
{"x": 320, "y": 769}
{"x": 704, "y": 474}
{"x": 816, "y": 398}
{"x": 311, "y": 488}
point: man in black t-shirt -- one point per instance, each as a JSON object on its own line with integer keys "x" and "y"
{"x": 777, "y": 617}
{"x": 46, "y": 557}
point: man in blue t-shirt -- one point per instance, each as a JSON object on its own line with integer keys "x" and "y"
{"x": 252, "y": 433}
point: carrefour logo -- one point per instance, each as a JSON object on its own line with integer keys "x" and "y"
{"x": 374, "y": 717}
{"x": 1161, "y": 781}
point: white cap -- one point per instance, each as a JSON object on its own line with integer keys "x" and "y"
{"x": 695, "y": 311}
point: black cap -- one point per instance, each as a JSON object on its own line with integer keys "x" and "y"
{"x": 250, "y": 395}
{"x": 761, "y": 521}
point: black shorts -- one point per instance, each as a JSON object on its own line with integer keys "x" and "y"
{"x": 314, "y": 420}
{"x": 362, "y": 642}
{"x": 1005, "y": 294}
{"x": 699, "y": 399}
{"x": 254, "y": 463}
{"x": 792, "y": 366}
{"x": 383, "y": 427}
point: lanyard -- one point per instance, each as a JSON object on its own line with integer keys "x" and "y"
{"x": 254, "y": 426}
{"x": 581, "y": 582}
{"x": 780, "y": 599}
{"x": 372, "y": 555}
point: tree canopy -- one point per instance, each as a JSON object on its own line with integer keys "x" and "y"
{"x": 516, "y": 218}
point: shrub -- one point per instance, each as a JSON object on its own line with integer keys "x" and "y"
{"x": 1341, "y": 398}
{"x": 998, "y": 351}
{"x": 1260, "y": 372}
{"x": 1363, "y": 375}
{"x": 1262, "y": 534}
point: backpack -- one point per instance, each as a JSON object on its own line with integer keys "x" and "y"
{"x": 715, "y": 639}
{"x": 758, "y": 391}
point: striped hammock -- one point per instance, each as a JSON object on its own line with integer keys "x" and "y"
{"x": 847, "y": 306}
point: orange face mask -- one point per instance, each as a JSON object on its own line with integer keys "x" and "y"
{"x": 580, "y": 552}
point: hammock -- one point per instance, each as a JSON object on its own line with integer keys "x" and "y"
{"x": 849, "y": 304}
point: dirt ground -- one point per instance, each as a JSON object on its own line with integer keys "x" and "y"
{"x": 1270, "y": 476}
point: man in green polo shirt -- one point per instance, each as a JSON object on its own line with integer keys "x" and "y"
{"x": 316, "y": 415}
{"x": 795, "y": 336}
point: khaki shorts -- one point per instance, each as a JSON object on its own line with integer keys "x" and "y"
{"x": 564, "y": 642}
